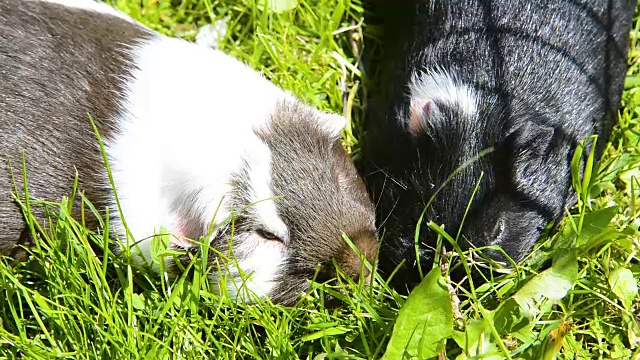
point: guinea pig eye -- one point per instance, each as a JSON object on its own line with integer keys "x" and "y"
{"x": 268, "y": 235}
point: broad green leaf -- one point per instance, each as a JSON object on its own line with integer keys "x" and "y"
{"x": 424, "y": 321}
{"x": 552, "y": 284}
{"x": 594, "y": 223}
{"x": 526, "y": 335}
{"x": 607, "y": 236}
{"x": 597, "y": 221}
{"x": 574, "y": 349}
{"x": 624, "y": 285}
{"x": 476, "y": 339}
{"x": 596, "y": 230}
{"x": 620, "y": 352}
{"x": 508, "y": 317}
{"x": 138, "y": 301}
{"x": 632, "y": 330}
{"x": 279, "y": 6}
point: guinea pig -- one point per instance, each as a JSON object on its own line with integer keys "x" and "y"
{"x": 480, "y": 105}
{"x": 193, "y": 138}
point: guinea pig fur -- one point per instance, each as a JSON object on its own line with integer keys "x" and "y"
{"x": 192, "y": 136}
{"x": 530, "y": 79}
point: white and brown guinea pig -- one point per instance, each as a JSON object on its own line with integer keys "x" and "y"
{"x": 190, "y": 133}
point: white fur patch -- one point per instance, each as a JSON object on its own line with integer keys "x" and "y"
{"x": 260, "y": 260}
{"x": 263, "y": 200}
{"x": 440, "y": 86}
{"x": 91, "y": 5}
{"x": 189, "y": 125}
{"x": 262, "y": 267}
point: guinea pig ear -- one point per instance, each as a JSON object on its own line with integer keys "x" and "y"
{"x": 421, "y": 112}
{"x": 333, "y": 123}
{"x": 541, "y": 165}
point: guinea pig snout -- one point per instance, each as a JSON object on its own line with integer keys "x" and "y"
{"x": 350, "y": 261}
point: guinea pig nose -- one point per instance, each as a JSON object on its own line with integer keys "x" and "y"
{"x": 350, "y": 262}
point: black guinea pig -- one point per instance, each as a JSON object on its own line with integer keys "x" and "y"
{"x": 525, "y": 80}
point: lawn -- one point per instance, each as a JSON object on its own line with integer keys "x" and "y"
{"x": 576, "y": 296}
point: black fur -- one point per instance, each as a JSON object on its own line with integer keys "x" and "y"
{"x": 547, "y": 75}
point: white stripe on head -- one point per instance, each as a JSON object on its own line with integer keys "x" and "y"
{"x": 260, "y": 259}
{"x": 427, "y": 89}
{"x": 263, "y": 199}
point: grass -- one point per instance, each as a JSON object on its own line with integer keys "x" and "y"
{"x": 71, "y": 303}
